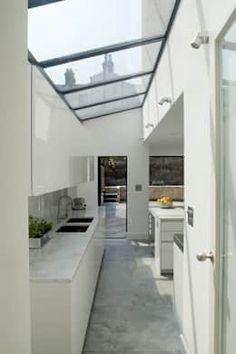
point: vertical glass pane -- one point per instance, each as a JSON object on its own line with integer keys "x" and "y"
{"x": 229, "y": 190}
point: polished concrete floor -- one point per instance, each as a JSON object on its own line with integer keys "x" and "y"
{"x": 115, "y": 220}
{"x": 133, "y": 307}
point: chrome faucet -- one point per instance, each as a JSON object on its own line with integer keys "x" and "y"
{"x": 65, "y": 215}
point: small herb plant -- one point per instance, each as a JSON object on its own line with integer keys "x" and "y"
{"x": 38, "y": 227}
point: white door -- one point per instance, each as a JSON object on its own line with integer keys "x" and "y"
{"x": 228, "y": 203}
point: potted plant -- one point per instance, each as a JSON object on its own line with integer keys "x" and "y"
{"x": 38, "y": 229}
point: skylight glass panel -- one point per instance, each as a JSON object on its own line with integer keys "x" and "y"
{"x": 229, "y": 56}
{"x": 99, "y": 55}
{"x": 71, "y": 26}
{"x": 113, "y": 91}
{"x": 109, "y": 108}
{"x": 106, "y": 67}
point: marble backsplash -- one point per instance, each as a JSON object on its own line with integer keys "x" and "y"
{"x": 46, "y": 205}
{"x": 175, "y": 192}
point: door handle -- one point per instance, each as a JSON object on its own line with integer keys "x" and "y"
{"x": 203, "y": 256}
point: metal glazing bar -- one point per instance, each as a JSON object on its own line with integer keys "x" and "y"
{"x": 108, "y": 101}
{"x": 36, "y": 3}
{"x": 163, "y": 44}
{"x": 33, "y": 61}
{"x": 100, "y": 51}
{"x": 108, "y": 114}
{"x": 101, "y": 83}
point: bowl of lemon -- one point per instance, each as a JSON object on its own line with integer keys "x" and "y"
{"x": 165, "y": 202}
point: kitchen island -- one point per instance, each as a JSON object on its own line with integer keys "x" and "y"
{"x": 63, "y": 278}
{"x": 165, "y": 224}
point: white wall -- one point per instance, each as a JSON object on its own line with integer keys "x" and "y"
{"x": 167, "y": 149}
{"x": 14, "y": 179}
{"x": 59, "y": 135}
{"x": 192, "y": 72}
{"x": 120, "y": 135}
{"x": 167, "y": 139}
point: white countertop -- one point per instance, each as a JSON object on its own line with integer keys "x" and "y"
{"x": 176, "y": 212}
{"x": 60, "y": 257}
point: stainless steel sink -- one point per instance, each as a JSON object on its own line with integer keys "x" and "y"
{"x": 80, "y": 220}
{"x": 73, "y": 228}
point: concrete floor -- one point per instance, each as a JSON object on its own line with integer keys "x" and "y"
{"x": 133, "y": 310}
{"x": 115, "y": 220}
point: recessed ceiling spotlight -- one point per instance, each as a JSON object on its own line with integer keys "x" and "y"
{"x": 165, "y": 100}
{"x": 199, "y": 39}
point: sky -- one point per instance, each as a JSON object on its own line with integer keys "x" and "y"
{"x": 73, "y": 26}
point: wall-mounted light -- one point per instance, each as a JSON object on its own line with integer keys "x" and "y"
{"x": 199, "y": 39}
{"x": 165, "y": 100}
{"x": 149, "y": 125}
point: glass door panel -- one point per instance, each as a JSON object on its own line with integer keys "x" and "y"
{"x": 228, "y": 94}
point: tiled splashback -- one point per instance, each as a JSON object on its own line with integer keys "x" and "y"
{"x": 46, "y": 205}
{"x": 175, "y": 192}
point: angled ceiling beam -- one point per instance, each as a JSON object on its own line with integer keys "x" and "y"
{"x": 108, "y": 101}
{"x": 36, "y": 3}
{"x": 102, "y": 83}
{"x": 108, "y": 114}
{"x": 100, "y": 51}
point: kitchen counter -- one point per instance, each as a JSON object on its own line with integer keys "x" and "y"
{"x": 60, "y": 257}
{"x": 176, "y": 212}
{"x": 63, "y": 278}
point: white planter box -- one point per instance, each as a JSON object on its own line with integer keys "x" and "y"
{"x": 38, "y": 242}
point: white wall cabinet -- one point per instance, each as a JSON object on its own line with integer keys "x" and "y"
{"x": 55, "y": 165}
{"x": 81, "y": 169}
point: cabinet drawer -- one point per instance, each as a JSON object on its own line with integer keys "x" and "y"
{"x": 169, "y": 225}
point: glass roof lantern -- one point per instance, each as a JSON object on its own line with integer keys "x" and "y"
{"x": 99, "y": 55}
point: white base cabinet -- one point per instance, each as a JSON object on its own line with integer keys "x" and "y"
{"x": 60, "y": 309}
{"x": 167, "y": 222}
{"x": 164, "y": 237}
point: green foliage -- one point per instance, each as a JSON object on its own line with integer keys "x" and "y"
{"x": 114, "y": 170}
{"x": 38, "y": 227}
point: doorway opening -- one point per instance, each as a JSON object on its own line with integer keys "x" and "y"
{"x": 112, "y": 194}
